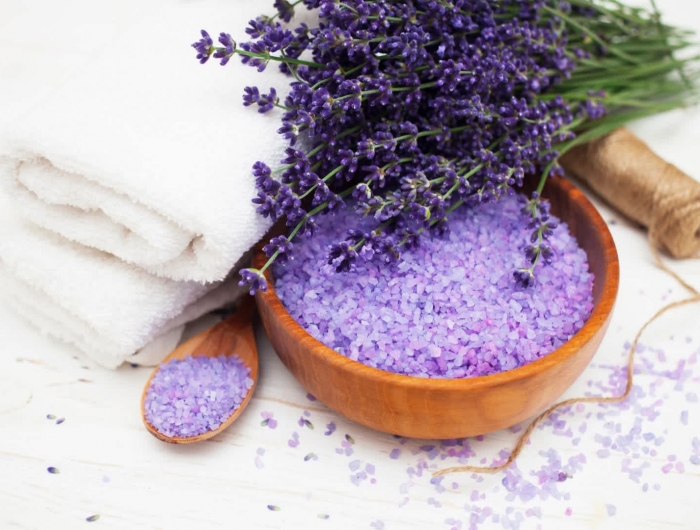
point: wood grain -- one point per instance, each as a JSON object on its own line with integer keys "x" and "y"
{"x": 453, "y": 408}
{"x": 232, "y": 336}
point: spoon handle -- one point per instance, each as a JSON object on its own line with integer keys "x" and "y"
{"x": 244, "y": 312}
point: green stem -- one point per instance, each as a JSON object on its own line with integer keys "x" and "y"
{"x": 349, "y": 8}
{"x": 390, "y": 19}
{"x": 355, "y": 69}
{"x": 432, "y": 132}
{"x": 451, "y": 209}
{"x": 419, "y": 87}
{"x": 316, "y": 150}
{"x": 591, "y": 34}
{"x": 472, "y": 171}
{"x": 287, "y": 60}
{"x": 324, "y": 179}
{"x": 294, "y": 232}
{"x": 292, "y": 68}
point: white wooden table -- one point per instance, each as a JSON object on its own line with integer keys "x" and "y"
{"x": 636, "y": 465}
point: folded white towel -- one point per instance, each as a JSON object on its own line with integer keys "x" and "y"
{"x": 145, "y": 153}
{"x": 107, "y": 308}
{"x": 113, "y": 137}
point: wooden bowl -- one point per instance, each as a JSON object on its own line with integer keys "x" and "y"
{"x": 454, "y": 408}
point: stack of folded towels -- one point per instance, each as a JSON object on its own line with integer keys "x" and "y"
{"x": 125, "y": 185}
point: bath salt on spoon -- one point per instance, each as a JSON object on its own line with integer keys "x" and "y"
{"x": 203, "y": 385}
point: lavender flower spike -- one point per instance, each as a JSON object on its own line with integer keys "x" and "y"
{"x": 204, "y": 47}
{"x": 427, "y": 106}
{"x": 229, "y": 48}
{"x": 284, "y": 9}
{"x": 254, "y": 279}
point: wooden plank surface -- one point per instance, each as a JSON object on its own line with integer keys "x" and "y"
{"x": 631, "y": 466}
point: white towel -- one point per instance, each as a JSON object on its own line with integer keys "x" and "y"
{"x": 114, "y": 137}
{"x": 145, "y": 153}
{"x": 107, "y": 308}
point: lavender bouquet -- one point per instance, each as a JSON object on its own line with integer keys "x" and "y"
{"x": 411, "y": 109}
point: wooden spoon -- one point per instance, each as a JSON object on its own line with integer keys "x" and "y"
{"x": 232, "y": 336}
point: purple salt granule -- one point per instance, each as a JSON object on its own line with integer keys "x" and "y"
{"x": 195, "y": 395}
{"x": 451, "y": 307}
{"x": 294, "y": 440}
{"x": 268, "y": 420}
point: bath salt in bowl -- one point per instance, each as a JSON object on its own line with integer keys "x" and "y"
{"x": 451, "y": 308}
{"x": 445, "y": 344}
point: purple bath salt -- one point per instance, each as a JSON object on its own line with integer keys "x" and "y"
{"x": 197, "y": 394}
{"x": 451, "y": 307}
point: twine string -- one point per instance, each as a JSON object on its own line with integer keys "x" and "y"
{"x": 693, "y": 299}
{"x": 629, "y": 176}
{"x": 651, "y": 191}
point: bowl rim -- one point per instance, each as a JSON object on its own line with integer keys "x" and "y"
{"x": 596, "y": 320}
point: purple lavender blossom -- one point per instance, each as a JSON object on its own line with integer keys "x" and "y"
{"x": 204, "y": 47}
{"x": 254, "y": 279}
{"x": 475, "y": 100}
{"x": 284, "y": 9}
{"x": 280, "y": 247}
{"x": 267, "y": 101}
{"x": 251, "y": 96}
{"x": 418, "y": 108}
{"x": 228, "y": 48}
